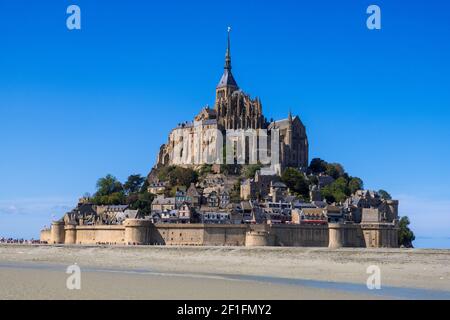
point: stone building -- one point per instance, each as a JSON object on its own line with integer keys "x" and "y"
{"x": 197, "y": 142}
{"x": 293, "y": 142}
{"x": 193, "y": 196}
{"x": 161, "y": 203}
{"x": 257, "y": 187}
{"x": 368, "y": 206}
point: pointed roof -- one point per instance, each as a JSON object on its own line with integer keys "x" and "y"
{"x": 192, "y": 191}
{"x": 227, "y": 79}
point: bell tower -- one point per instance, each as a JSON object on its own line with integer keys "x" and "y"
{"x": 227, "y": 85}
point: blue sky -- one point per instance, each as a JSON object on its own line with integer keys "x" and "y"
{"x": 76, "y": 105}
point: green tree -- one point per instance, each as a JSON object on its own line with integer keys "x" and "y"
{"x": 108, "y": 185}
{"x": 249, "y": 171}
{"x": 115, "y": 198}
{"x": 318, "y": 166}
{"x": 334, "y": 170}
{"x": 178, "y": 176}
{"x": 205, "y": 169}
{"x": 405, "y": 234}
{"x": 143, "y": 203}
{"x": 184, "y": 177}
{"x": 133, "y": 184}
{"x": 164, "y": 173}
{"x": 235, "y": 194}
{"x": 145, "y": 186}
{"x": 327, "y": 194}
{"x": 296, "y": 181}
{"x": 338, "y": 191}
{"x": 384, "y": 195}
{"x": 355, "y": 184}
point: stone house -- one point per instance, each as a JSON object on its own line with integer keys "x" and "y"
{"x": 335, "y": 214}
{"x": 180, "y": 197}
{"x": 310, "y": 216}
{"x": 212, "y": 199}
{"x": 169, "y": 216}
{"x": 162, "y": 203}
{"x": 157, "y": 188}
{"x": 224, "y": 197}
{"x": 193, "y": 196}
{"x": 363, "y": 200}
{"x": 278, "y": 190}
{"x": 258, "y": 187}
{"x": 184, "y": 213}
{"x": 215, "y": 216}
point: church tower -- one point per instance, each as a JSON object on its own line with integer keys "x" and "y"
{"x": 234, "y": 108}
{"x": 227, "y": 85}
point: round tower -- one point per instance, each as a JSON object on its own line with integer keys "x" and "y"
{"x": 336, "y": 235}
{"x": 57, "y": 233}
{"x": 255, "y": 238}
{"x": 71, "y": 233}
{"x": 137, "y": 231}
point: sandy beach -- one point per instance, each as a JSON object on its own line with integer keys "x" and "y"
{"x": 39, "y": 272}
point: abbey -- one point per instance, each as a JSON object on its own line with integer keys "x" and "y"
{"x": 187, "y": 203}
{"x": 234, "y": 110}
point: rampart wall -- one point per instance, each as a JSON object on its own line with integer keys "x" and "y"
{"x": 143, "y": 232}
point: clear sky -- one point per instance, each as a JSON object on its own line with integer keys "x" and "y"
{"x": 77, "y": 105}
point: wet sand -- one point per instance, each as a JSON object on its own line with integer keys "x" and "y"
{"x": 39, "y": 272}
{"x": 50, "y": 283}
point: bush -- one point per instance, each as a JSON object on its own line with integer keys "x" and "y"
{"x": 249, "y": 171}
{"x": 296, "y": 182}
{"x": 405, "y": 234}
{"x": 318, "y": 166}
{"x": 178, "y": 176}
{"x": 384, "y": 195}
{"x": 338, "y": 191}
{"x": 355, "y": 184}
{"x": 108, "y": 185}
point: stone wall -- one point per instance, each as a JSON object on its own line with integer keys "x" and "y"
{"x": 228, "y": 235}
{"x": 172, "y": 234}
{"x": 45, "y": 235}
{"x": 380, "y": 235}
{"x": 100, "y": 234}
{"x": 300, "y": 235}
{"x": 198, "y": 234}
{"x": 345, "y": 235}
{"x": 142, "y": 232}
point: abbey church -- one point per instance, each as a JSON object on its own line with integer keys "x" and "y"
{"x": 233, "y": 110}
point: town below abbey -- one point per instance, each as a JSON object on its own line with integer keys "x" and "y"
{"x": 235, "y": 199}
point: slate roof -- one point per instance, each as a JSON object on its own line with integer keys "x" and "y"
{"x": 227, "y": 80}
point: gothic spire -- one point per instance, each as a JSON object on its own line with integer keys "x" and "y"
{"x": 227, "y": 79}
{"x": 228, "y": 54}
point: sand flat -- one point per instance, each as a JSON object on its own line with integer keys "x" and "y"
{"x": 38, "y": 272}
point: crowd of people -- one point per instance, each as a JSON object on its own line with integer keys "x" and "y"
{"x": 19, "y": 241}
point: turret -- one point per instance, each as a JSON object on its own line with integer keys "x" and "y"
{"x": 57, "y": 233}
{"x": 137, "y": 232}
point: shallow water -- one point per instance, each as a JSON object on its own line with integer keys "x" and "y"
{"x": 386, "y": 292}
